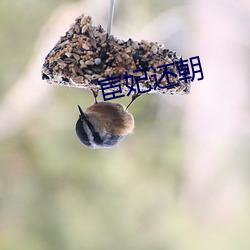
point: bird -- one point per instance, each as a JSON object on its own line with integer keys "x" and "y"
{"x": 104, "y": 124}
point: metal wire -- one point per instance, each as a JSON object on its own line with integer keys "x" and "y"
{"x": 110, "y": 15}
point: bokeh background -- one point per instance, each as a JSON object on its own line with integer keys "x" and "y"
{"x": 180, "y": 182}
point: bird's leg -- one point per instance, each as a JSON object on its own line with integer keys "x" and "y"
{"x": 95, "y": 94}
{"x": 134, "y": 97}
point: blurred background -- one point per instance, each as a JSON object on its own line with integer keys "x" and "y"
{"x": 180, "y": 182}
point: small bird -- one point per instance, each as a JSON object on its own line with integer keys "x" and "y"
{"x": 104, "y": 124}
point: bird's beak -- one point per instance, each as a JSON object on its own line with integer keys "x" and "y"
{"x": 82, "y": 115}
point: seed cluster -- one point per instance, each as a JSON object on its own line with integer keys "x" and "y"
{"x": 87, "y": 54}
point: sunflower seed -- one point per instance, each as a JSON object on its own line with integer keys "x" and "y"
{"x": 85, "y": 46}
{"x": 88, "y": 62}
